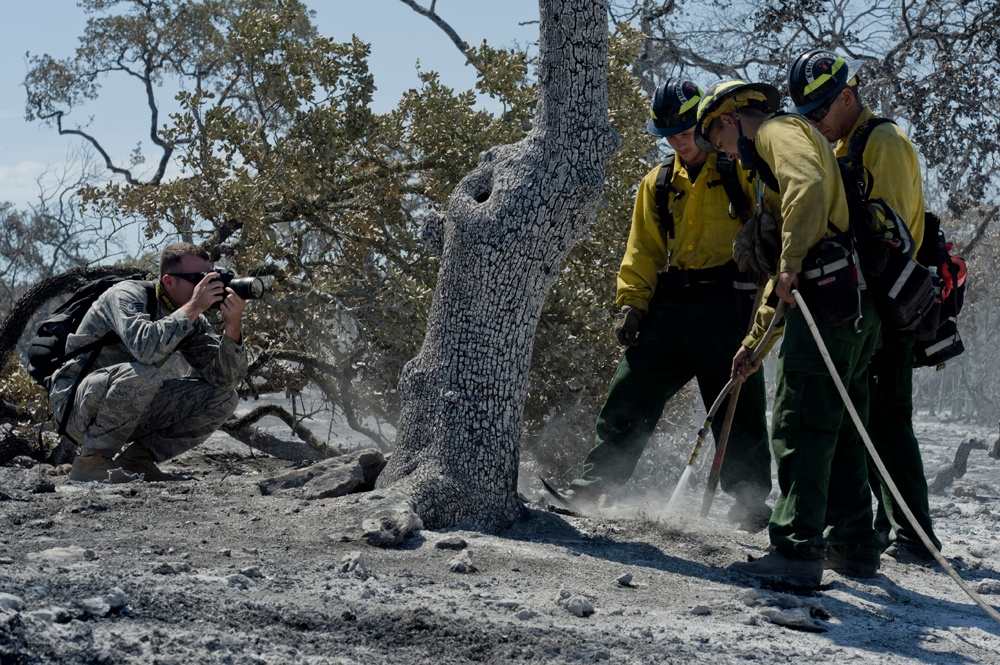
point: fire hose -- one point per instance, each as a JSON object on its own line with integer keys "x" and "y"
{"x": 881, "y": 466}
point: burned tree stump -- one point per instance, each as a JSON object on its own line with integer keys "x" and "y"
{"x": 956, "y": 469}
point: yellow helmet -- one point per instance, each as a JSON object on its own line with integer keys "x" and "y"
{"x": 726, "y": 96}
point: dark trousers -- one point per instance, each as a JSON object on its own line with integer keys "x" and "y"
{"x": 680, "y": 339}
{"x": 891, "y": 430}
{"x": 822, "y": 467}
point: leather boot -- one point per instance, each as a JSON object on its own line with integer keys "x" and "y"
{"x": 851, "y": 566}
{"x": 91, "y": 467}
{"x": 909, "y": 556}
{"x": 806, "y": 573}
{"x": 137, "y": 459}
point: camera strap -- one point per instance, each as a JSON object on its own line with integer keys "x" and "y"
{"x": 163, "y": 297}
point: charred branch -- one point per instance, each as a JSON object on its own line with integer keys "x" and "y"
{"x": 956, "y": 469}
{"x": 308, "y": 447}
{"x": 335, "y": 384}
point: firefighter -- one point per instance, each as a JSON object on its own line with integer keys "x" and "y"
{"x": 824, "y": 88}
{"x": 684, "y": 307}
{"x": 824, "y": 509}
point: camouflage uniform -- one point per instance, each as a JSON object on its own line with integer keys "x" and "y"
{"x": 129, "y": 395}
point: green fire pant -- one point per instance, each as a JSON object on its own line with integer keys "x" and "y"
{"x": 891, "y": 430}
{"x": 680, "y": 339}
{"x": 822, "y": 468}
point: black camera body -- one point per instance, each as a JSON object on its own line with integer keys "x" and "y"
{"x": 248, "y": 288}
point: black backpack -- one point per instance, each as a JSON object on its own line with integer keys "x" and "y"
{"x": 903, "y": 289}
{"x": 937, "y": 339}
{"x": 47, "y": 349}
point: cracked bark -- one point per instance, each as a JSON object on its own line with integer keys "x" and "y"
{"x": 507, "y": 229}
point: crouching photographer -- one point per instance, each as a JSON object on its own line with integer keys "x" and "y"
{"x": 116, "y": 401}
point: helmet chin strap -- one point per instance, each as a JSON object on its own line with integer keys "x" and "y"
{"x": 744, "y": 147}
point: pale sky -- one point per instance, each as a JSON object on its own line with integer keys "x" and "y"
{"x": 399, "y": 37}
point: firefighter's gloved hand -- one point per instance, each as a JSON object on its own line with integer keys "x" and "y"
{"x": 627, "y": 325}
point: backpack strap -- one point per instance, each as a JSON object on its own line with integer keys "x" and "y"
{"x": 94, "y": 349}
{"x": 856, "y": 147}
{"x": 152, "y": 307}
{"x": 664, "y": 188}
{"x": 739, "y": 206}
{"x": 763, "y": 170}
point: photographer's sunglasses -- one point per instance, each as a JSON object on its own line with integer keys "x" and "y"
{"x": 193, "y": 277}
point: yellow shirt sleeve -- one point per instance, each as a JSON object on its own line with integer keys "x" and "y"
{"x": 646, "y": 251}
{"x": 812, "y": 192}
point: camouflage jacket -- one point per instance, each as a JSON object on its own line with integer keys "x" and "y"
{"x": 215, "y": 359}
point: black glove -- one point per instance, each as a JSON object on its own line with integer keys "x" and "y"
{"x": 627, "y": 325}
{"x": 757, "y": 247}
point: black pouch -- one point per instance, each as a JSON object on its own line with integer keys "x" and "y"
{"x": 903, "y": 291}
{"x": 944, "y": 342}
{"x": 927, "y": 328}
{"x": 829, "y": 284}
{"x": 945, "y": 345}
{"x": 757, "y": 247}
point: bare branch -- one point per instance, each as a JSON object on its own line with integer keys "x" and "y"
{"x": 460, "y": 43}
{"x": 243, "y": 425}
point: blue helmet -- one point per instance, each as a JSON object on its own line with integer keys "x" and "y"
{"x": 816, "y": 76}
{"x": 675, "y": 107}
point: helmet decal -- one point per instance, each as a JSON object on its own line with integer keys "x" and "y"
{"x": 819, "y": 69}
{"x": 814, "y": 77}
{"x": 689, "y": 95}
{"x": 673, "y": 107}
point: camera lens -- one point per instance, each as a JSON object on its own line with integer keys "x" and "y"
{"x": 248, "y": 288}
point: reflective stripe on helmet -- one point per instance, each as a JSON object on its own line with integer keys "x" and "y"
{"x": 815, "y": 83}
{"x": 673, "y": 109}
{"x": 690, "y": 104}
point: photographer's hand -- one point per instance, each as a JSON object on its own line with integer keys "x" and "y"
{"x": 232, "y": 315}
{"x": 206, "y": 293}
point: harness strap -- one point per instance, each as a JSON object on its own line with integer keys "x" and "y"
{"x": 739, "y": 206}
{"x": 858, "y": 143}
{"x": 664, "y": 188}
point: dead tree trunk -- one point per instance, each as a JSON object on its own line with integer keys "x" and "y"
{"x": 507, "y": 229}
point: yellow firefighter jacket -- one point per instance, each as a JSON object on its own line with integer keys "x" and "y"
{"x": 703, "y": 230}
{"x": 811, "y": 194}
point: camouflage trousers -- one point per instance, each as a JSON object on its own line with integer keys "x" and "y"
{"x": 133, "y": 402}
